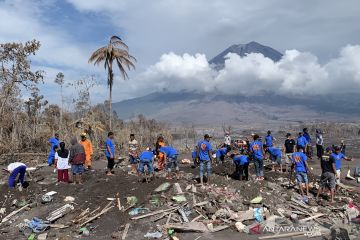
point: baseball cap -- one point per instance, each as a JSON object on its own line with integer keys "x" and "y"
{"x": 207, "y": 136}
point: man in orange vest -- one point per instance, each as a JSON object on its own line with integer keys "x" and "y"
{"x": 86, "y": 143}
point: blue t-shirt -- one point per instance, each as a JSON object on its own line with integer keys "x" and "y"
{"x": 269, "y": 140}
{"x": 193, "y": 154}
{"x": 109, "y": 143}
{"x": 337, "y": 158}
{"x": 299, "y": 158}
{"x": 274, "y": 152}
{"x": 169, "y": 151}
{"x": 307, "y": 137}
{"x": 256, "y": 149}
{"x": 146, "y": 156}
{"x": 221, "y": 152}
{"x": 241, "y": 159}
{"x": 53, "y": 142}
{"x": 204, "y": 148}
{"x": 301, "y": 141}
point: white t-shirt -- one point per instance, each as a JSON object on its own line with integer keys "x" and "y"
{"x": 14, "y": 165}
{"x": 133, "y": 146}
{"x": 62, "y": 163}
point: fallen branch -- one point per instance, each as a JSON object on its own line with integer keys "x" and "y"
{"x": 154, "y": 213}
{"x": 125, "y": 231}
{"x": 13, "y": 213}
{"x": 312, "y": 217}
{"x": 96, "y": 216}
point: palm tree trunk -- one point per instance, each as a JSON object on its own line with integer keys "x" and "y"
{"x": 110, "y": 107}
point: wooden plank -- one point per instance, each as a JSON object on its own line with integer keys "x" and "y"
{"x": 188, "y": 227}
{"x": 125, "y": 231}
{"x": 5, "y": 219}
{"x": 154, "y": 213}
{"x": 96, "y": 216}
{"x": 312, "y": 217}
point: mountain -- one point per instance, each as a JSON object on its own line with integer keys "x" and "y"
{"x": 201, "y": 109}
{"x": 243, "y": 49}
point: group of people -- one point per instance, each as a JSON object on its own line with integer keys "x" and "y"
{"x": 242, "y": 152}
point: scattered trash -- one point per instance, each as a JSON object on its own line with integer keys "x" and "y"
{"x": 258, "y": 214}
{"x": 84, "y": 231}
{"x": 154, "y": 235}
{"x": 32, "y": 237}
{"x": 58, "y": 213}
{"x": 185, "y": 161}
{"x": 132, "y": 200}
{"x": 46, "y": 198}
{"x": 2, "y": 211}
{"x": 256, "y": 200}
{"x": 42, "y": 236}
{"x": 163, "y": 187}
{"x": 69, "y": 199}
{"x": 37, "y": 225}
{"x": 137, "y": 211}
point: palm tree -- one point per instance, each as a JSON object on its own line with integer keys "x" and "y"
{"x": 115, "y": 50}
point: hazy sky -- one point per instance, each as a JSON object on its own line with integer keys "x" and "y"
{"x": 173, "y": 40}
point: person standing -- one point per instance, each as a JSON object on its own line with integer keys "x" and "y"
{"x": 301, "y": 142}
{"x": 54, "y": 141}
{"x": 77, "y": 159}
{"x": 110, "y": 153}
{"x": 343, "y": 147}
{"x": 86, "y": 143}
{"x": 289, "y": 149}
{"x": 319, "y": 144}
{"x": 62, "y": 163}
{"x": 257, "y": 153}
{"x": 227, "y": 140}
{"x": 203, "y": 150}
{"x": 327, "y": 179}
{"x": 160, "y": 156}
{"x": 133, "y": 153}
{"x": 308, "y": 149}
{"x": 299, "y": 162}
{"x": 337, "y": 156}
{"x": 269, "y": 139}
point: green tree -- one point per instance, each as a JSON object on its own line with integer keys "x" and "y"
{"x": 117, "y": 51}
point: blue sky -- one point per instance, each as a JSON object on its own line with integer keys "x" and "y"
{"x": 173, "y": 40}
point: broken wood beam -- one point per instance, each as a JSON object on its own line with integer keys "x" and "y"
{"x": 126, "y": 229}
{"x": 154, "y": 213}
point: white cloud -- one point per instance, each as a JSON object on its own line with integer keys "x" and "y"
{"x": 297, "y": 73}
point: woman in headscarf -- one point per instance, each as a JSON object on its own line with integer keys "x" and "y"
{"x": 62, "y": 163}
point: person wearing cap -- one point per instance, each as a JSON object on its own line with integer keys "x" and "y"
{"x": 257, "y": 154}
{"x": 275, "y": 155}
{"x": 146, "y": 159}
{"x": 337, "y": 157}
{"x": 170, "y": 154}
{"x": 86, "y": 143}
{"x": 288, "y": 149}
{"x": 319, "y": 144}
{"x": 269, "y": 139}
{"x": 204, "y": 150}
{"x": 17, "y": 172}
{"x": 327, "y": 179}
{"x": 241, "y": 162}
{"x": 299, "y": 162}
{"x": 133, "y": 152}
{"x": 54, "y": 141}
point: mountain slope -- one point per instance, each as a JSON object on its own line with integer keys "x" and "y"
{"x": 243, "y": 49}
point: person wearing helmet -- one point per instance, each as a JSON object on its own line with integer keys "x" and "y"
{"x": 86, "y": 143}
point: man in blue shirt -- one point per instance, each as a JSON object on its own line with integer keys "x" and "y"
{"x": 269, "y": 139}
{"x": 110, "y": 153}
{"x": 308, "y": 150}
{"x": 299, "y": 162}
{"x": 301, "y": 142}
{"x": 170, "y": 154}
{"x": 241, "y": 165}
{"x": 54, "y": 141}
{"x": 257, "y": 153}
{"x": 275, "y": 155}
{"x": 146, "y": 159}
{"x": 337, "y": 156}
{"x": 204, "y": 149}
{"x": 195, "y": 158}
{"x": 221, "y": 153}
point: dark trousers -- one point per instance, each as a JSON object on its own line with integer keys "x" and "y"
{"x": 17, "y": 171}
{"x": 319, "y": 150}
{"x": 111, "y": 163}
{"x": 242, "y": 170}
{"x": 63, "y": 175}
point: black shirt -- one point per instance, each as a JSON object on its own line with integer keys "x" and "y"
{"x": 289, "y": 145}
{"x": 326, "y": 164}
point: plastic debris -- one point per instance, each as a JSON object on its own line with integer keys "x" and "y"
{"x": 258, "y": 214}
{"x": 137, "y": 211}
{"x": 69, "y": 199}
{"x": 257, "y": 200}
{"x": 84, "y": 231}
{"x": 154, "y": 235}
{"x": 180, "y": 198}
{"x": 132, "y": 200}
{"x": 163, "y": 187}
{"x": 37, "y": 225}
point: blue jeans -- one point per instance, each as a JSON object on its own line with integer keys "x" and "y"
{"x": 19, "y": 170}
{"x": 202, "y": 167}
{"x": 301, "y": 177}
{"x": 77, "y": 169}
{"x": 132, "y": 159}
{"x": 259, "y": 167}
{"x": 172, "y": 162}
{"x": 149, "y": 166}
